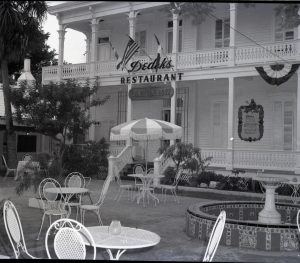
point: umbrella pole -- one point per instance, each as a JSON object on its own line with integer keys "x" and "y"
{"x": 146, "y": 156}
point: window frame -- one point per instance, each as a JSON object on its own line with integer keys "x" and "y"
{"x": 180, "y": 35}
{"x": 223, "y": 39}
{"x": 282, "y": 31}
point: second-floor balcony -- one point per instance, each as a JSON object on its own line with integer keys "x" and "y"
{"x": 260, "y": 54}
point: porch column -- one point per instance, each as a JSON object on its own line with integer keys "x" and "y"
{"x": 297, "y": 166}
{"x": 232, "y": 34}
{"x": 132, "y": 28}
{"x": 174, "y": 55}
{"x": 93, "y": 53}
{"x": 87, "y": 47}
{"x": 230, "y": 138}
{"x": 61, "y": 39}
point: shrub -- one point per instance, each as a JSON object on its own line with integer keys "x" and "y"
{"x": 170, "y": 174}
{"x": 86, "y": 159}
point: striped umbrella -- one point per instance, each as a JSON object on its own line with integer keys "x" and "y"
{"x": 146, "y": 129}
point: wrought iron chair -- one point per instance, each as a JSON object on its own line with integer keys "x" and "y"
{"x": 215, "y": 237}
{"x": 122, "y": 187}
{"x": 138, "y": 169}
{"x": 173, "y": 187}
{"x": 14, "y": 229}
{"x": 96, "y": 206}
{"x": 75, "y": 179}
{"x": 298, "y": 220}
{"x": 71, "y": 239}
{"x": 8, "y": 170}
{"x": 52, "y": 204}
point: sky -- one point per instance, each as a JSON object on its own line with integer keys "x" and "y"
{"x": 74, "y": 41}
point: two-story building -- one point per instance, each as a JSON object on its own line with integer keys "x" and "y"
{"x": 213, "y": 74}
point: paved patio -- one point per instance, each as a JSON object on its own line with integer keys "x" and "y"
{"x": 166, "y": 219}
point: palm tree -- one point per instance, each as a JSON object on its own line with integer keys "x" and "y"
{"x": 17, "y": 21}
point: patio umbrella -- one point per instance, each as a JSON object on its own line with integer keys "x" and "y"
{"x": 145, "y": 130}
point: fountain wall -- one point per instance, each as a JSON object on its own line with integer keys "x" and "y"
{"x": 242, "y": 228}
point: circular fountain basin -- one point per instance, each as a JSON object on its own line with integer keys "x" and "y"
{"x": 242, "y": 228}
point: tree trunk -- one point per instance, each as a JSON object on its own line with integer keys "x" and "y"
{"x": 11, "y": 136}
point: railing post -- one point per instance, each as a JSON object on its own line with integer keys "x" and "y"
{"x": 111, "y": 163}
{"x": 156, "y": 162}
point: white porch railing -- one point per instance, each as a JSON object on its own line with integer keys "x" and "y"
{"x": 266, "y": 52}
{"x": 116, "y": 164}
{"x": 243, "y": 55}
{"x": 251, "y": 159}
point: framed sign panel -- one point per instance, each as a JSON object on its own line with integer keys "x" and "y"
{"x": 251, "y": 122}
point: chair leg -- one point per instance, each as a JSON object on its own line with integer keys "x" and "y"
{"x": 77, "y": 207}
{"x": 99, "y": 218}
{"x": 38, "y": 237}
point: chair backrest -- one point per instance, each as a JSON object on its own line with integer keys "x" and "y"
{"x": 71, "y": 239}
{"x": 138, "y": 169}
{"x": 298, "y": 220}
{"x": 14, "y": 228}
{"x": 4, "y": 162}
{"x": 50, "y": 200}
{"x": 75, "y": 179}
{"x": 215, "y": 237}
{"x": 104, "y": 189}
{"x": 27, "y": 157}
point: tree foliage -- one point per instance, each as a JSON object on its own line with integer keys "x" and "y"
{"x": 289, "y": 14}
{"x": 56, "y": 108}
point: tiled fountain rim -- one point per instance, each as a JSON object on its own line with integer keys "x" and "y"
{"x": 194, "y": 210}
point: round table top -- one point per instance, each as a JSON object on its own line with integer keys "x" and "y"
{"x": 67, "y": 190}
{"x": 270, "y": 179}
{"x": 147, "y": 175}
{"x": 130, "y": 238}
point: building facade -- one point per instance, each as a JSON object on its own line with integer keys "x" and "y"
{"x": 212, "y": 77}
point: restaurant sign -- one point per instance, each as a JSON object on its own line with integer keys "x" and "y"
{"x": 137, "y": 66}
{"x": 151, "y": 93}
{"x": 251, "y": 120}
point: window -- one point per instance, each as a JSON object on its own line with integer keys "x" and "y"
{"x": 222, "y": 33}
{"x": 141, "y": 39}
{"x": 283, "y": 125}
{"x": 26, "y": 143}
{"x": 281, "y": 33}
{"x": 170, "y": 36}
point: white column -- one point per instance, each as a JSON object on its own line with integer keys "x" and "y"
{"x": 174, "y": 53}
{"x": 87, "y": 47}
{"x": 132, "y": 26}
{"x": 232, "y": 34}
{"x": 230, "y": 138}
{"x": 93, "y": 47}
{"x": 61, "y": 39}
{"x": 297, "y": 168}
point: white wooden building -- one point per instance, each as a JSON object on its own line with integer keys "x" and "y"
{"x": 217, "y": 59}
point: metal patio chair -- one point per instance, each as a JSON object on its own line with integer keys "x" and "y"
{"x": 70, "y": 241}
{"x": 14, "y": 229}
{"x": 215, "y": 237}
{"x": 122, "y": 187}
{"x": 52, "y": 204}
{"x": 298, "y": 220}
{"x": 138, "y": 169}
{"x": 172, "y": 188}
{"x": 8, "y": 170}
{"x": 96, "y": 206}
{"x": 75, "y": 179}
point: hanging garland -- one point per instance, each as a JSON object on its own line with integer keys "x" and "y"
{"x": 278, "y": 73}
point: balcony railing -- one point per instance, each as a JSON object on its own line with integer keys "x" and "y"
{"x": 243, "y": 55}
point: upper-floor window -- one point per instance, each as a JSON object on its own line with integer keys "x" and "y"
{"x": 141, "y": 39}
{"x": 170, "y": 36}
{"x": 282, "y": 33}
{"x": 283, "y": 124}
{"x": 222, "y": 33}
